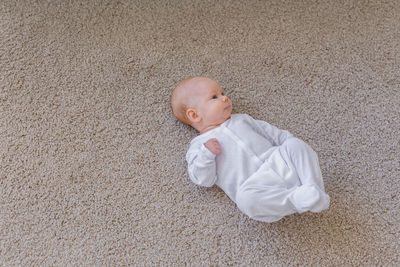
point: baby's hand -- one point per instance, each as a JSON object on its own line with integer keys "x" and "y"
{"x": 214, "y": 146}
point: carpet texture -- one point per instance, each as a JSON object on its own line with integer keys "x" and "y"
{"x": 93, "y": 169}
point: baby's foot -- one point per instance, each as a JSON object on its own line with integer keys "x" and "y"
{"x": 309, "y": 198}
{"x": 323, "y": 204}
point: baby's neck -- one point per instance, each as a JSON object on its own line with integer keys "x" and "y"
{"x": 210, "y": 127}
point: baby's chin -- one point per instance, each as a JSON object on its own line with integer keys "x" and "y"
{"x": 229, "y": 114}
{"x": 228, "y": 111}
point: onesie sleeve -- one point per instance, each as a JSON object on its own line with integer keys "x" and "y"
{"x": 277, "y": 135}
{"x": 201, "y": 166}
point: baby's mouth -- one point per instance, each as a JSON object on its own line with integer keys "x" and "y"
{"x": 228, "y": 106}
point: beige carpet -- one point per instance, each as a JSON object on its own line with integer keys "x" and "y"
{"x": 92, "y": 160}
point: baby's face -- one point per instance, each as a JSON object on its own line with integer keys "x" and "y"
{"x": 211, "y": 104}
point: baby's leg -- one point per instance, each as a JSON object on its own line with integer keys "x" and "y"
{"x": 269, "y": 203}
{"x": 301, "y": 157}
{"x": 264, "y": 202}
{"x": 266, "y": 197}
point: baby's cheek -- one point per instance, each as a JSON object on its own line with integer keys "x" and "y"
{"x": 211, "y": 113}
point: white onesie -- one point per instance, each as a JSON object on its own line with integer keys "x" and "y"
{"x": 266, "y": 171}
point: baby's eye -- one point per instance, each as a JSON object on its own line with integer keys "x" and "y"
{"x": 222, "y": 93}
{"x": 214, "y": 97}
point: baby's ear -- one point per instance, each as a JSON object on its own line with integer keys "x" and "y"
{"x": 191, "y": 114}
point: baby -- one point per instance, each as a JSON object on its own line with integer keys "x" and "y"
{"x": 266, "y": 171}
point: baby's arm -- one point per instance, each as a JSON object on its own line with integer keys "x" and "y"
{"x": 201, "y": 163}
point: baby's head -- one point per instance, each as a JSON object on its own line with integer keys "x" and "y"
{"x": 201, "y": 103}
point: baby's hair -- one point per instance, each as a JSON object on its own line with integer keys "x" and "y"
{"x": 177, "y": 101}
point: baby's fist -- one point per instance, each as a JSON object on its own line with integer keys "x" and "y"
{"x": 213, "y": 145}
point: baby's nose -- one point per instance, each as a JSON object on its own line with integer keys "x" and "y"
{"x": 224, "y": 98}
